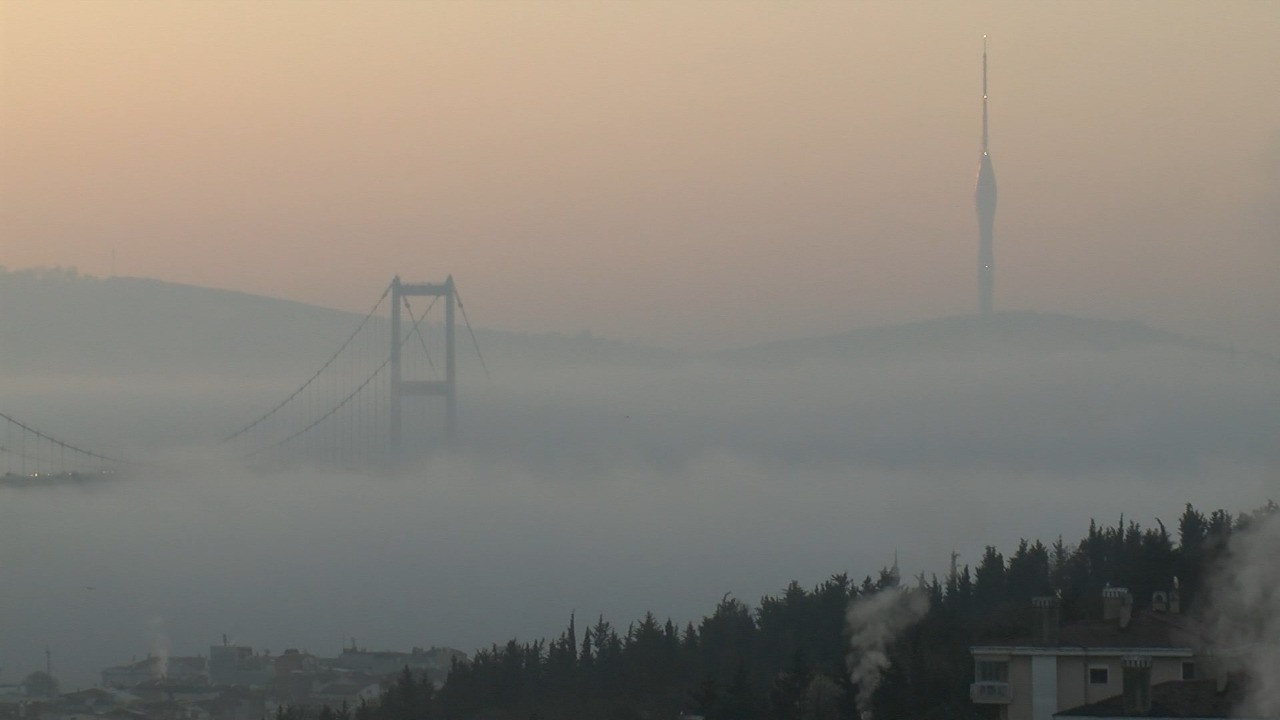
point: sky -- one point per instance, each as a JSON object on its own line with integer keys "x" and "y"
{"x": 698, "y": 175}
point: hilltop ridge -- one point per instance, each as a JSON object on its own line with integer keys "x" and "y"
{"x": 59, "y": 322}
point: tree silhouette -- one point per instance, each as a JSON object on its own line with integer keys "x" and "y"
{"x": 40, "y": 684}
{"x": 784, "y": 659}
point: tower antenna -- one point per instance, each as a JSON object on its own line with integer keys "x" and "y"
{"x": 984, "y": 94}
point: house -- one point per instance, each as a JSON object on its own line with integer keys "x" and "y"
{"x": 238, "y": 666}
{"x": 1060, "y": 667}
{"x": 1208, "y": 699}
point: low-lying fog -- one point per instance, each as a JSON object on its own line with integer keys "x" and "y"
{"x": 609, "y": 488}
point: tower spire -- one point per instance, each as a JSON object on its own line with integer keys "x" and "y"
{"x": 984, "y": 94}
{"x": 985, "y": 200}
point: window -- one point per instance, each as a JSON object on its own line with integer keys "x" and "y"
{"x": 1188, "y": 670}
{"x": 993, "y": 671}
{"x": 1099, "y": 674}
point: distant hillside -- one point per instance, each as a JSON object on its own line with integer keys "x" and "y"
{"x": 967, "y": 336}
{"x": 58, "y": 322}
{"x": 55, "y": 322}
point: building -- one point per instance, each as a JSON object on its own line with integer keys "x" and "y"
{"x": 236, "y": 665}
{"x": 177, "y": 670}
{"x": 1123, "y": 654}
{"x": 435, "y": 662}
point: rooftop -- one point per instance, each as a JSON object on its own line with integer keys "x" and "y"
{"x": 1146, "y": 629}
{"x": 1175, "y": 699}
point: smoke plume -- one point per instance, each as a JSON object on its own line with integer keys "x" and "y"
{"x": 873, "y": 621}
{"x": 1246, "y": 612}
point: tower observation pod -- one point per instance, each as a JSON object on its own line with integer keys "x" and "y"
{"x": 985, "y": 201}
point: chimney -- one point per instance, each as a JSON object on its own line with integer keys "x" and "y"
{"x": 1048, "y": 612}
{"x": 1175, "y": 602}
{"x": 1126, "y": 610}
{"x": 1137, "y": 684}
{"x": 1160, "y": 601}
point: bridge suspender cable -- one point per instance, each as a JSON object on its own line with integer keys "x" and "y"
{"x": 317, "y": 374}
{"x": 471, "y": 332}
{"x": 344, "y": 400}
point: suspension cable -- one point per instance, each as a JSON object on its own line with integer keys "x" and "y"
{"x": 66, "y": 446}
{"x": 317, "y": 374}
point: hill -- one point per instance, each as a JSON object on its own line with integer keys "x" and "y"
{"x": 59, "y": 322}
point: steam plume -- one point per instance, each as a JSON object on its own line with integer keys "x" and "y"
{"x": 873, "y": 622}
{"x": 1246, "y": 612}
{"x": 159, "y": 646}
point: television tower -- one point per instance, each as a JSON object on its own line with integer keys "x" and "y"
{"x": 985, "y": 200}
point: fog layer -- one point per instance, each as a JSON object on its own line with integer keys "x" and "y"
{"x": 597, "y": 482}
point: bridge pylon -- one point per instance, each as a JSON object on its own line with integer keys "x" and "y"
{"x": 401, "y": 388}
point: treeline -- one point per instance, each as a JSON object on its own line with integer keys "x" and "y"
{"x": 786, "y": 659}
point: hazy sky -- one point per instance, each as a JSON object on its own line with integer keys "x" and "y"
{"x": 701, "y": 174}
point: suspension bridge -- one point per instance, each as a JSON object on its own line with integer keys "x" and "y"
{"x": 388, "y": 390}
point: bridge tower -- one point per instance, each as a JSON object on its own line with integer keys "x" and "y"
{"x": 401, "y": 388}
